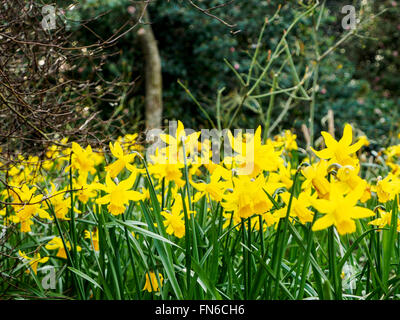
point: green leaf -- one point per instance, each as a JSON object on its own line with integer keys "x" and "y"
{"x": 85, "y": 276}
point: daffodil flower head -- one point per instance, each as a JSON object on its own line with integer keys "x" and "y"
{"x": 86, "y": 190}
{"x": 384, "y": 219}
{"x": 94, "y": 238}
{"x": 299, "y": 207}
{"x": 174, "y": 221}
{"x": 248, "y": 197}
{"x": 119, "y": 194}
{"x": 255, "y": 155}
{"x": 178, "y": 142}
{"x": 28, "y": 206}
{"x": 57, "y": 243}
{"x": 61, "y": 205}
{"x": 152, "y": 283}
{"x": 162, "y": 168}
{"x": 82, "y": 159}
{"x": 129, "y": 142}
{"x": 316, "y": 177}
{"x": 122, "y": 160}
{"x": 387, "y": 188}
{"x": 341, "y": 210}
{"x": 34, "y": 261}
{"x": 288, "y": 139}
{"x": 217, "y": 185}
{"x": 340, "y": 151}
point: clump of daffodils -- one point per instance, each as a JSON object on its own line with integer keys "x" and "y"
{"x": 259, "y": 180}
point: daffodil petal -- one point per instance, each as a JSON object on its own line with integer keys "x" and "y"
{"x": 347, "y": 137}
{"x": 360, "y": 212}
{"x": 323, "y": 223}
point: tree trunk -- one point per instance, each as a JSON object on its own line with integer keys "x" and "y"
{"x": 153, "y": 75}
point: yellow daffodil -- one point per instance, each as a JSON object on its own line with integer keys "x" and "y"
{"x": 288, "y": 139}
{"x": 61, "y": 205}
{"x": 283, "y": 176}
{"x": 129, "y": 142}
{"x": 93, "y": 237}
{"x": 86, "y": 190}
{"x": 56, "y": 243}
{"x": 253, "y": 156}
{"x": 174, "y": 222}
{"x": 123, "y": 161}
{"x": 348, "y": 175}
{"x": 299, "y": 207}
{"x": 176, "y": 142}
{"x": 364, "y": 140}
{"x": 393, "y": 152}
{"x": 82, "y": 159}
{"x": 395, "y": 168}
{"x": 216, "y": 188}
{"x": 28, "y": 206}
{"x": 248, "y": 197}
{"x": 349, "y": 179}
{"x": 161, "y": 168}
{"x": 341, "y": 210}
{"x": 384, "y": 219}
{"x": 33, "y": 262}
{"x": 118, "y": 194}
{"x": 340, "y": 151}
{"x": 151, "y": 284}
{"x": 316, "y": 177}
{"x": 388, "y": 188}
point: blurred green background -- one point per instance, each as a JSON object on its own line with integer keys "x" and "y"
{"x": 359, "y": 80}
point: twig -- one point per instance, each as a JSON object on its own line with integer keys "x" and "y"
{"x": 207, "y": 12}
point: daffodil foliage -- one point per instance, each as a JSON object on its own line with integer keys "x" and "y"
{"x": 320, "y": 223}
